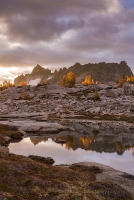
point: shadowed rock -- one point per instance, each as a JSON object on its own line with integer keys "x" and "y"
{"x": 47, "y": 161}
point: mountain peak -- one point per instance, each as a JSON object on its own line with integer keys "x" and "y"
{"x": 37, "y": 69}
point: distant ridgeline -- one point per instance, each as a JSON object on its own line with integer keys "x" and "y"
{"x": 102, "y": 72}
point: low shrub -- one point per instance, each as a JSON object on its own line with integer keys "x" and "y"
{"x": 96, "y": 95}
{"x": 25, "y": 96}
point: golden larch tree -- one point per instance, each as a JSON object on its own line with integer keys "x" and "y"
{"x": 63, "y": 81}
{"x": 130, "y": 79}
{"x": 120, "y": 82}
{"x": 23, "y": 83}
{"x": 88, "y": 80}
{"x": 71, "y": 79}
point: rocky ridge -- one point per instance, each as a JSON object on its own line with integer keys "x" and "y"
{"x": 102, "y": 72}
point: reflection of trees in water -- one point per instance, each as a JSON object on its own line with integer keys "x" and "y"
{"x": 69, "y": 143}
{"x": 102, "y": 146}
{"x": 91, "y": 143}
{"x": 119, "y": 147}
{"x": 127, "y": 147}
{"x": 133, "y": 152}
{"x": 37, "y": 140}
{"x": 106, "y": 144}
{"x": 61, "y": 137}
{"x": 86, "y": 141}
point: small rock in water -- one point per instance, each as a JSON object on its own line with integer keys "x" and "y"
{"x": 60, "y": 141}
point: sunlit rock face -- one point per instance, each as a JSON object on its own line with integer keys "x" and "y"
{"x": 102, "y": 72}
{"x": 37, "y": 75}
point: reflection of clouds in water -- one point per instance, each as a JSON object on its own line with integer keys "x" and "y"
{"x": 61, "y": 155}
{"x": 124, "y": 163}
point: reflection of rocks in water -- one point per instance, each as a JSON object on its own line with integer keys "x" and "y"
{"x": 95, "y": 134}
{"x": 102, "y": 137}
{"x": 98, "y": 146}
{"x": 106, "y": 145}
{"x": 95, "y": 141}
{"x": 98, "y": 143}
{"x": 86, "y": 127}
{"x": 37, "y": 140}
{"x": 69, "y": 141}
{"x": 15, "y": 140}
{"x": 88, "y": 140}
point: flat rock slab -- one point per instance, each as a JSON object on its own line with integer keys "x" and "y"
{"x": 37, "y": 127}
{"x": 112, "y": 175}
{"x": 24, "y": 115}
{"x": 48, "y": 130}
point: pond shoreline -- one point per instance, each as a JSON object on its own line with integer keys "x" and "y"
{"x": 103, "y": 181}
{"x": 24, "y": 128}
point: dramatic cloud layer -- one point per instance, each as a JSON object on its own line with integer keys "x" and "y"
{"x": 59, "y": 33}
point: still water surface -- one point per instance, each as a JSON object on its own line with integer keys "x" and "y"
{"x": 78, "y": 149}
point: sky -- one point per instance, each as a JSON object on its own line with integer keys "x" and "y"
{"x": 57, "y": 33}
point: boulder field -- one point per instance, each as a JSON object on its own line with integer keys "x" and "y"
{"x": 60, "y": 101}
{"x": 54, "y": 110}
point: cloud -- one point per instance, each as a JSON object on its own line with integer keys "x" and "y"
{"x": 46, "y": 20}
{"x": 59, "y": 33}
